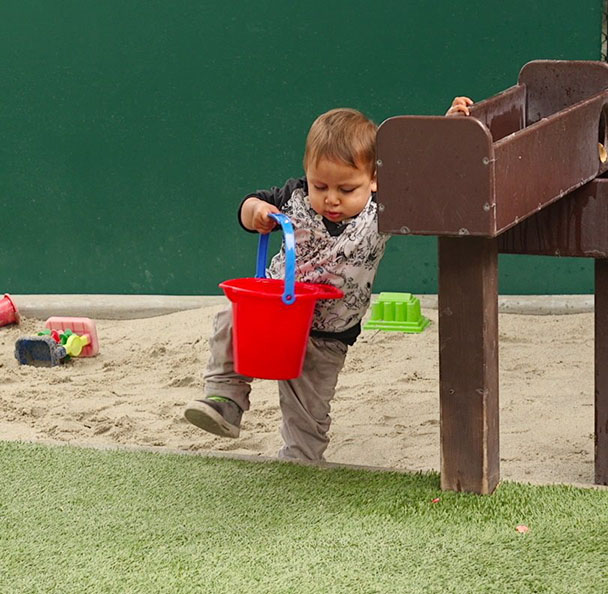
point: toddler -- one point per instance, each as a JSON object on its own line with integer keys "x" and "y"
{"x": 334, "y": 214}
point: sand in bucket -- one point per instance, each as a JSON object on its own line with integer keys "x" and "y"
{"x": 271, "y": 318}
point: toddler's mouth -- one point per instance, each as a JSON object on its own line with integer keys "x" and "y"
{"x": 331, "y": 215}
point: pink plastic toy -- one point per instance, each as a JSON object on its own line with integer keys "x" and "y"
{"x": 9, "y": 314}
{"x": 81, "y": 326}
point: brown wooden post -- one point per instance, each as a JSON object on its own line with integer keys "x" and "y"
{"x": 601, "y": 372}
{"x": 468, "y": 363}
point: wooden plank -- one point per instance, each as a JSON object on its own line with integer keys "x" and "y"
{"x": 502, "y": 114}
{"x": 435, "y": 176}
{"x": 575, "y": 226}
{"x": 542, "y": 163}
{"x": 468, "y": 363}
{"x": 554, "y": 85}
{"x": 601, "y": 372}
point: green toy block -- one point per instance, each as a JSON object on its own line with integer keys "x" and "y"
{"x": 397, "y": 311}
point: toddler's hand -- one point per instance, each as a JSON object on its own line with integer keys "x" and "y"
{"x": 260, "y": 221}
{"x": 459, "y": 105}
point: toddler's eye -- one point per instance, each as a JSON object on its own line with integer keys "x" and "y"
{"x": 347, "y": 190}
{"x": 320, "y": 187}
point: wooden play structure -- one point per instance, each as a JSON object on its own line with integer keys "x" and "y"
{"x": 523, "y": 174}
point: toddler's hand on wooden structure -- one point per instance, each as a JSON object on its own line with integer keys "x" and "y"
{"x": 460, "y": 105}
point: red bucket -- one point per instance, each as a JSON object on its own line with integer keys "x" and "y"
{"x": 270, "y": 337}
{"x": 271, "y": 318}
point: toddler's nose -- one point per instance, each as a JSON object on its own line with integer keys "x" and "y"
{"x": 332, "y": 198}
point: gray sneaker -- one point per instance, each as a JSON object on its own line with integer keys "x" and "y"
{"x": 215, "y": 414}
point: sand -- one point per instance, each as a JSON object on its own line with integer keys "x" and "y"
{"x": 385, "y": 413}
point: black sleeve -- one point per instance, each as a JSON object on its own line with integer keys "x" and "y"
{"x": 276, "y": 196}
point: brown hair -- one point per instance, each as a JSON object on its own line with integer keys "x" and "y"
{"x": 344, "y": 135}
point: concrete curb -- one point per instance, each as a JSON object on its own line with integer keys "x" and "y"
{"x": 531, "y": 304}
{"x": 123, "y": 307}
{"x": 109, "y": 307}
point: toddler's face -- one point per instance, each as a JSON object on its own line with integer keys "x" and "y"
{"x": 338, "y": 191}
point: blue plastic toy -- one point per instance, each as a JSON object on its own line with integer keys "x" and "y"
{"x": 40, "y": 351}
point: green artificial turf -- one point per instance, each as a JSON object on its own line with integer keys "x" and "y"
{"x": 86, "y": 521}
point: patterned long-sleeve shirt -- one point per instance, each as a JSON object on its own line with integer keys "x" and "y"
{"x": 345, "y": 255}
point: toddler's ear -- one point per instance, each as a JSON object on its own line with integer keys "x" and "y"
{"x": 374, "y": 184}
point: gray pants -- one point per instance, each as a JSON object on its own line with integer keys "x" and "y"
{"x": 305, "y": 401}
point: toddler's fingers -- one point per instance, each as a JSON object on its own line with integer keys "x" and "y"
{"x": 462, "y": 101}
{"x": 457, "y": 109}
{"x": 269, "y": 222}
{"x": 266, "y": 224}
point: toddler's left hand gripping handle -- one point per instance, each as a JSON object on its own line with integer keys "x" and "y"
{"x": 290, "y": 256}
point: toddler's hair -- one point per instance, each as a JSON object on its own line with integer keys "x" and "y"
{"x": 343, "y": 135}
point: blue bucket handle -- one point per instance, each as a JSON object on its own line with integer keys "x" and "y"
{"x": 289, "y": 241}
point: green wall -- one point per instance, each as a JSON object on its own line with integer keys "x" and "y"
{"x": 130, "y": 129}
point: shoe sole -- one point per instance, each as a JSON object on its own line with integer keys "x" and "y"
{"x": 208, "y": 419}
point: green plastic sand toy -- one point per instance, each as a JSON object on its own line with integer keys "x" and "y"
{"x": 397, "y": 311}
